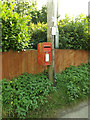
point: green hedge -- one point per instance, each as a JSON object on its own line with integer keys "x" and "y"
{"x": 18, "y": 33}
{"x": 14, "y": 29}
{"x": 73, "y": 33}
{"x": 38, "y": 34}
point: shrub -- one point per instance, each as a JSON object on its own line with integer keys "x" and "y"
{"x": 25, "y": 93}
{"x": 21, "y": 28}
{"x": 14, "y": 30}
{"x": 73, "y": 33}
{"x": 39, "y": 15}
{"x": 38, "y": 34}
{"x": 74, "y": 82}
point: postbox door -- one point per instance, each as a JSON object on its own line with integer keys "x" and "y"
{"x": 47, "y": 58}
{"x": 47, "y": 55}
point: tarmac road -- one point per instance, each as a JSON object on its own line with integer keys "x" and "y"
{"x": 80, "y": 111}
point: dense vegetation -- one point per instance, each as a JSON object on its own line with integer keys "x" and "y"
{"x": 24, "y": 93}
{"x": 73, "y": 33}
{"x": 23, "y": 27}
{"x": 74, "y": 81}
{"x": 14, "y": 30}
{"x": 32, "y": 95}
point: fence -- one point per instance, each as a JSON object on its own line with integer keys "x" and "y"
{"x": 14, "y": 63}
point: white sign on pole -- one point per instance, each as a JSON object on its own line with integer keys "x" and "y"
{"x": 54, "y": 30}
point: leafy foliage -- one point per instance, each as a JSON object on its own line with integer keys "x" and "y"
{"x": 32, "y": 95}
{"x": 24, "y": 8}
{"x": 38, "y": 34}
{"x": 39, "y": 15}
{"x": 23, "y": 27}
{"x": 74, "y": 82}
{"x": 25, "y": 93}
{"x": 73, "y": 33}
{"x": 14, "y": 30}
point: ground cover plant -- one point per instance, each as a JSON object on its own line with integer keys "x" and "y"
{"x": 33, "y": 96}
{"x": 74, "y": 81}
{"x": 25, "y": 93}
{"x": 72, "y": 87}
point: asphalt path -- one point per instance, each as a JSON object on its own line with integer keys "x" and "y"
{"x": 79, "y": 111}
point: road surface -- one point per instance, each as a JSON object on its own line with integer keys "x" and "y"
{"x": 79, "y": 111}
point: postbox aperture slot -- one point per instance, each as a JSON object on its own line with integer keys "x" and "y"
{"x": 47, "y": 46}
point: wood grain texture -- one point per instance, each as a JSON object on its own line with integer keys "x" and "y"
{"x": 13, "y": 64}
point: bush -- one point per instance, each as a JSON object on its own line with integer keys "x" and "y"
{"x": 73, "y": 34}
{"x": 23, "y": 27}
{"x": 14, "y": 30}
{"x": 74, "y": 82}
{"x": 39, "y": 15}
{"x": 25, "y": 93}
{"x": 38, "y": 34}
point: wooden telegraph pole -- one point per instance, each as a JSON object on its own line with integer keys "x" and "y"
{"x": 51, "y": 32}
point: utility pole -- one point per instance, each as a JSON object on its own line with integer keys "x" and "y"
{"x": 57, "y": 31}
{"x": 51, "y": 32}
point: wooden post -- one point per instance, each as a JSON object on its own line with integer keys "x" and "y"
{"x": 50, "y": 37}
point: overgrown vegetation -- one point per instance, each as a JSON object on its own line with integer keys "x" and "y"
{"x": 73, "y": 33}
{"x": 33, "y": 95}
{"x": 23, "y": 27}
{"x": 25, "y": 93}
{"x": 38, "y": 34}
{"x": 14, "y": 29}
{"x": 30, "y": 9}
{"x": 75, "y": 82}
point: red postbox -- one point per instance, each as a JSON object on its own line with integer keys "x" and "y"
{"x": 44, "y": 53}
